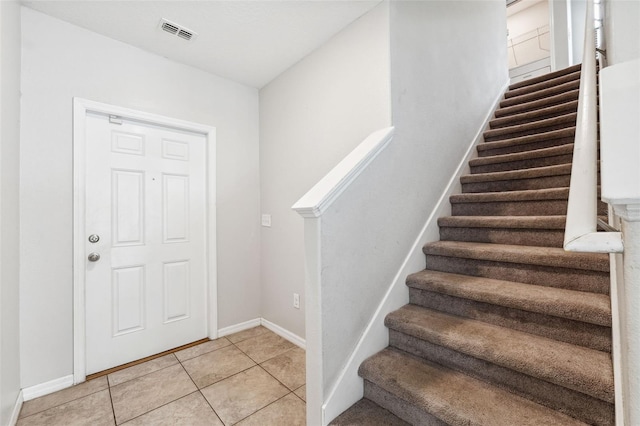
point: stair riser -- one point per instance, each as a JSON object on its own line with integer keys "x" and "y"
{"x": 561, "y": 181}
{"x": 401, "y": 408}
{"x": 537, "y": 105}
{"x": 586, "y": 408}
{"x": 523, "y": 237}
{"x": 542, "y": 85}
{"x": 496, "y": 136}
{"x": 542, "y": 114}
{"x": 540, "y": 94}
{"x": 488, "y": 151}
{"x": 575, "y": 332}
{"x": 511, "y": 208}
{"x": 571, "y": 279}
{"x": 517, "y": 208}
{"x": 523, "y": 164}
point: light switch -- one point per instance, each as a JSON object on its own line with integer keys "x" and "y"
{"x": 266, "y": 220}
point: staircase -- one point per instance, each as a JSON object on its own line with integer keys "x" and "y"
{"x": 503, "y": 327}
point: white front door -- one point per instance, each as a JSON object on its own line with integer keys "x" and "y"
{"x": 146, "y": 207}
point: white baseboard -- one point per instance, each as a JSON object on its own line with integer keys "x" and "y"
{"x": 293, "y": 338}
{"x": 239, "y": 327}
{"x": 47, "y": 387}
{"x": 16, "y": 410}
{"x": 348, "y": 388}
{"x": 51, "y": 386}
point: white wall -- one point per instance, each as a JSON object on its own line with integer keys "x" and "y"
{"x": 561, "y": 44}
{"x": 622, "y": 30}
{"x": 61, "y": 61}
{"x": 439, "y": 102}
{"x": 523, "y": 28}
{"x": 9, "y": 218}
{"x": 534, "y": 16}
{"x": 578, "y": 14}
{"x": 311, "y": 116}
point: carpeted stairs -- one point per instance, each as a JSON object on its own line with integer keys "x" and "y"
{"x": 503, "y": 327}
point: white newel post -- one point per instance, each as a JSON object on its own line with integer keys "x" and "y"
{"x": 313, "y": 319}
{"x": 629, "y": 314}
{"x": 620, "y": 184}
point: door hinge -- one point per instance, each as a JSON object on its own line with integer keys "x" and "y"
{"x": 114, "y": 119}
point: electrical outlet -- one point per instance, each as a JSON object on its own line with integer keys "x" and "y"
{"x": 296, "y": 300}
{"x": 266, "y": 220}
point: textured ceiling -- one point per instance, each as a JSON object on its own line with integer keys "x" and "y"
{"x": 250, "y": 42}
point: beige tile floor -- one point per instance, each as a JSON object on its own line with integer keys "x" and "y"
{"x": 253, "y": 377}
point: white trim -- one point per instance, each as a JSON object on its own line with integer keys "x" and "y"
{"x": 46, "y": 388}
{"x": 348, "y": 388}
{"x": 16, "y": 410}
{"x": 316, "y": 201}
{"x": 80, "y": 109}
{"x": 629, "y": 212}
{"x": 313, "y": 321}
{"x": 596, "y": 242}
{"x": 293, "y": 338}
{"x": 580, "y": 233}
{"x": 239, "y": 327}
{"x": 282, "y": 332}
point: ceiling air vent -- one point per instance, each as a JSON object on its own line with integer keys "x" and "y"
{"x": 177, "y": 30}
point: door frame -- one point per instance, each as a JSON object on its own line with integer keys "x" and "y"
{"x": 80, "y": 109}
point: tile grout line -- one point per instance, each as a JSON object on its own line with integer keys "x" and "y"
{"x": 159, "y": 406}
{"x": 272, "y": 376}
{"x": 113, "y": 409}
{"x": 264, "y": 369}
{"x": 186, "y": 372}
{"x": 167, "y": 403}
{"x": 257, "y": 364}
{"x": 200, "y": 390}
{"x": 234, "y": 344}
{"x": 262, "y": 408}
{"x": 66, "y": 402}
{"x": 142, "y": 375}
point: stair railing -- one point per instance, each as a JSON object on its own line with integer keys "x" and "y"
{"x": 582, "y": 211}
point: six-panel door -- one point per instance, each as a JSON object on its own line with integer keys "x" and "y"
{"x": 146, "y": 200}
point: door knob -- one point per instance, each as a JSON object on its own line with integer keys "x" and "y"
{"x": 94, "y": 257}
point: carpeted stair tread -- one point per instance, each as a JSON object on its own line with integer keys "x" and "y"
{"x": 532, "y": 173}
{"x": 561, "y": 98}
{"x": 453, "y": 397}
{"x": 574, "y": 367}
{"x": 514, "y": 230}
{"x": 540, "y": 126}
{"x": 540, "y": 94}
{"x": 554, "y": 151}
{"x": 539, "y": 114}
{"x": 575, "y": 305}
{"x": 546, "y": 77}
{"x": 519, "y": 141}
{"x": 538, "y": 256}
{"x": 532, "y": 202}
{"x": 367, "y": 413}
{"x": 543, "y": 84}
{"x": 507, "y": 222}
{"x": 503, "y": 327}
{"x": 554, "y": 176}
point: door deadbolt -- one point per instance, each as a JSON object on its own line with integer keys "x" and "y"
{"x": 94, "y": 238}
{"x": 94, "y": 257}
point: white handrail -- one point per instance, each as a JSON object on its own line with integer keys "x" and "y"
{"x": 316, "y": 201}
{"x": 582, "y": 210}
